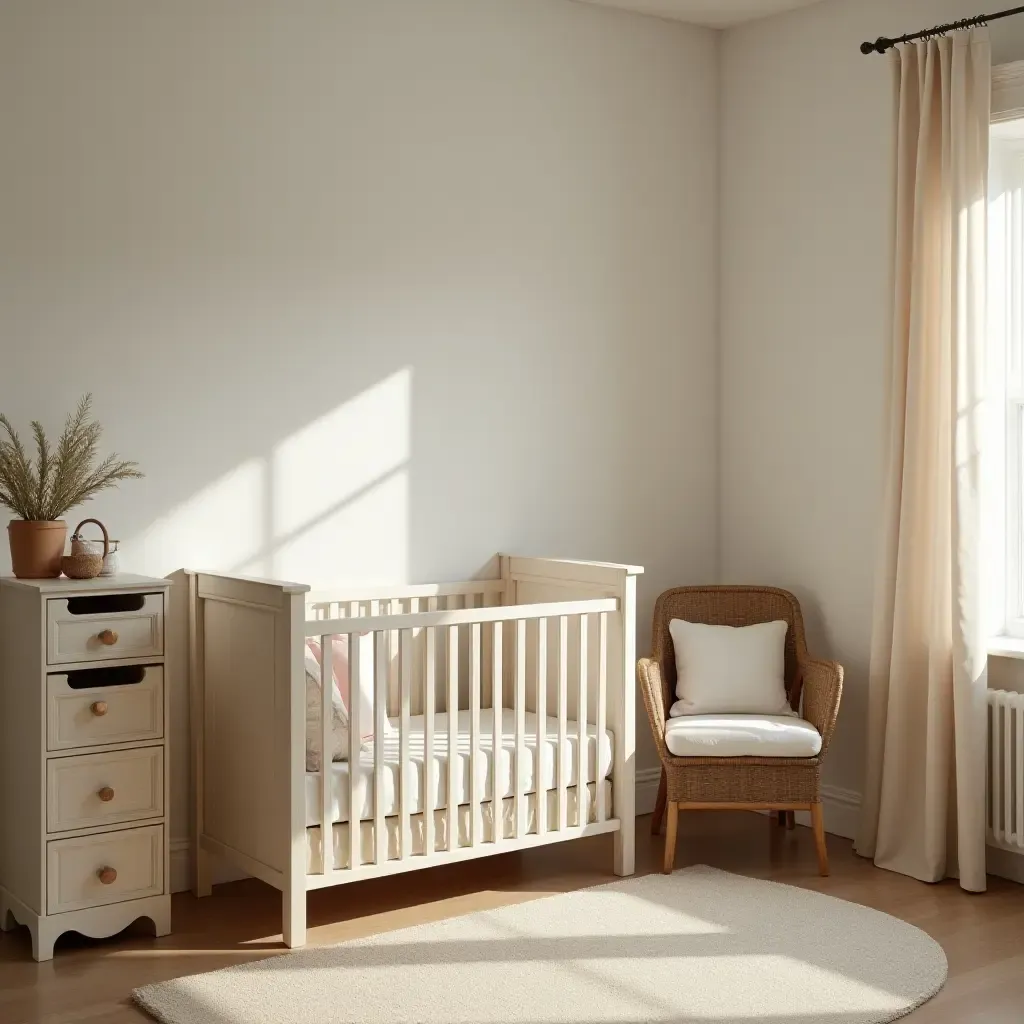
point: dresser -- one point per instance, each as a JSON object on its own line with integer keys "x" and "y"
{"x": 83, "y": 757}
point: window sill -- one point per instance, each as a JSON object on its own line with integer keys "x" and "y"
{"x": 1006, "y": 647}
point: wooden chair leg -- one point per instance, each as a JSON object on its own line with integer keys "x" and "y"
{"x": 670, "y": 838}
{"x": 659, "y": 805}
{"x": 790, "y": 819}
{"x": 818, "y": 823}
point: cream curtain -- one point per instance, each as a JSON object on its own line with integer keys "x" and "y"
{"x": 924, "y": 800}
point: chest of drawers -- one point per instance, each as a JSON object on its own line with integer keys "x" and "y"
{"x": 83, "y": 757}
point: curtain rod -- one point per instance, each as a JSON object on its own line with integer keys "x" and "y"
{"x": 881, "y": 44}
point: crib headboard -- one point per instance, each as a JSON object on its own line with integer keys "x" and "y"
{"x": 245, "y": 732}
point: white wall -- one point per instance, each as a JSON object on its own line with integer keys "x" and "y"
{"x": 456, "y": 258}
{"x": 805, "y": 295}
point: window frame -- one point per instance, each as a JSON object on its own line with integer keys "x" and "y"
{"x": 1007, "y": 337}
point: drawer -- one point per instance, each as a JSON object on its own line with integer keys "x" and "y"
{"x": 87, "y": 790}
{"x": 79, "y": 629}
{"x": 104, "y": 705}
{"x": 90, "y": 871}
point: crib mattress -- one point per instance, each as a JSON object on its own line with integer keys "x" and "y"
{"x": 462, "y": 823}
{"x": 599, "y": 763}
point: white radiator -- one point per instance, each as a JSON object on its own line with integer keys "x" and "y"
{"x": 1006, "y": 769}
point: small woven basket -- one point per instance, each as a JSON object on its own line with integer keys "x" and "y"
{"x": 83, "y": 564}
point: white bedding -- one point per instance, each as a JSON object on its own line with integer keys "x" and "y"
{"x": 439, "y": 775}
{"x": 418, "y": 832}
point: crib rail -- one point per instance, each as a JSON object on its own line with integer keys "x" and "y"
{"x": 537, "y": 658}
{"x": 408, "y": 599}
{"x": 379, "y": 623}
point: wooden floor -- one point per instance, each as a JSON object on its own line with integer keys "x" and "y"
{"x": 90, "y": 980}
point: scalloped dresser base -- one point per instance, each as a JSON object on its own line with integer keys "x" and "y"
{"x": 95, "y": 922}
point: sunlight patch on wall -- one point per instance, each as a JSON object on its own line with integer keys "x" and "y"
{"x": 218, "y": 527}
{"x": 327, "y": 504}
{"x": 340, "y": 496}
{"x": 359, "y": 540}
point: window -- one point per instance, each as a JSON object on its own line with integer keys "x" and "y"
{"x": 1005, "y": 546}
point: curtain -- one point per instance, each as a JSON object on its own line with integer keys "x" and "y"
{"x": 924, "y": 803}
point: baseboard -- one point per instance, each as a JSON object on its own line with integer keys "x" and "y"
{"x": 841, "y": 809}
{"x": 181, "y": 867}
{"x": 1005, "y": 863}
{"x": 647, "y": 780}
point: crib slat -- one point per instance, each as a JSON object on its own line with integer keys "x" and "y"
{"x": 563, "y": 738}
{"x": 428, "y": 741}
{"x": 520, "y": 710}
{"x": 393, "y": 682}
{"x": 355, "y": 797}
{"x": 581, "y": 721}
{"x": 405, "y": 669}
{"x": 539, "y": 787}
{"x": 382, "y": 652}
{"x": 476, "y": 825}
{"x": 415, "y": 676}
{"x": 602, "y": 694}
{"x": 497, "y": 730}
{"x": 452, "y": 707}
{"x": 326, "y": 746}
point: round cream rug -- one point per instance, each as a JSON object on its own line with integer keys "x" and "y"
{"x": 701, "y": 945}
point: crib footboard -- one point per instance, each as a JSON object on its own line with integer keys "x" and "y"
{"x": 553, "y": 579}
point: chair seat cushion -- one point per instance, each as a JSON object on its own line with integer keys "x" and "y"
{"x": 742, "y": 736}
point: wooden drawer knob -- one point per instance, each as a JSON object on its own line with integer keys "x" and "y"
{"x": 106, "y": 794}
{"x": 98, "y": 708}
{"x": 108, "y": 637}
{"x": 107, "y": 876}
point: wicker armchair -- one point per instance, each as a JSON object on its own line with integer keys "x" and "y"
{"x": 778, "y": 784}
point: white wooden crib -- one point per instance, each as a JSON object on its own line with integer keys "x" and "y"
{"x": 537, "y": 664}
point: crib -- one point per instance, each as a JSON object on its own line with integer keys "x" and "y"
{"x": 503, "y": 718}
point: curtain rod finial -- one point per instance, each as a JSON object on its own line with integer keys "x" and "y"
{"x": 880, "y": 45}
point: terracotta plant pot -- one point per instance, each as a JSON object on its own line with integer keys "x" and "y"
{"x": 36, "y": 548}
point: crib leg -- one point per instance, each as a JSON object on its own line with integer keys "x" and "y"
{"x": 293, "y": 912}
{"x": 625, "y": 848}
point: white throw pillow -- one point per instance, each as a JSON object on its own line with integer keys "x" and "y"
{"x": 730, "y": 669}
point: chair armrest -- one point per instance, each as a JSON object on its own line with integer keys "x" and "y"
{"x": 648, "y": 677}
{"x": 822, "y": 691}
